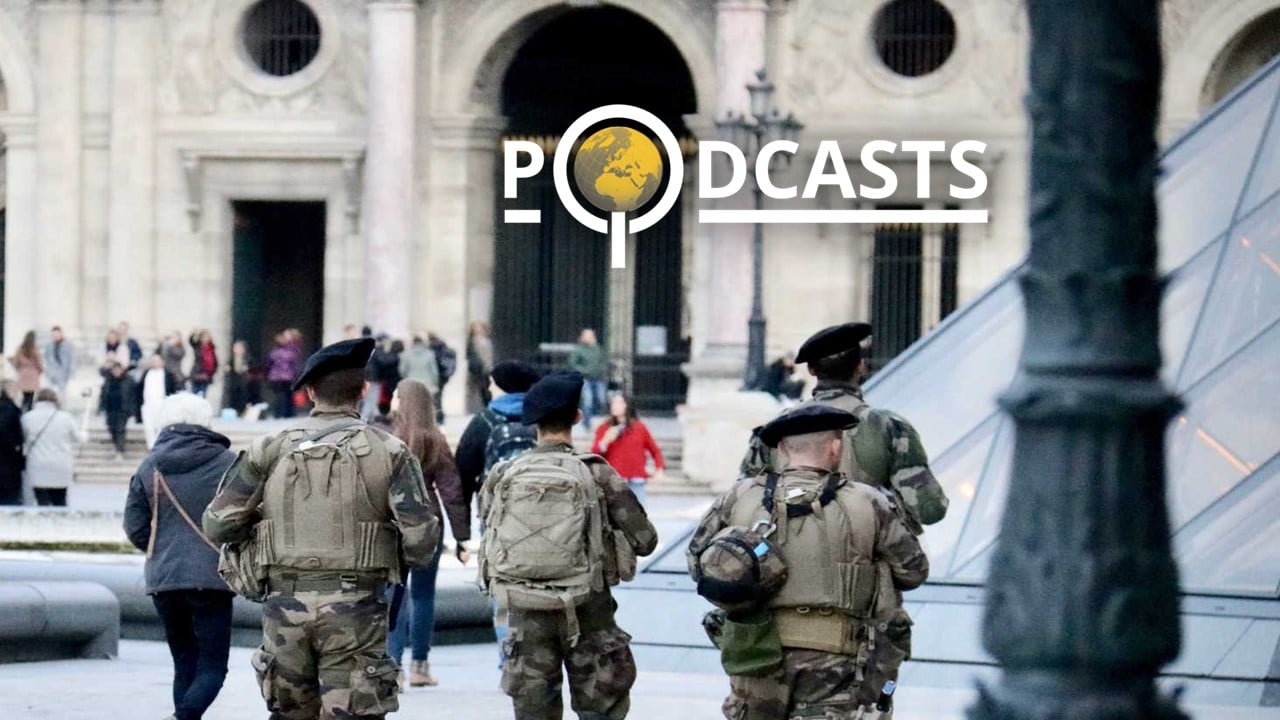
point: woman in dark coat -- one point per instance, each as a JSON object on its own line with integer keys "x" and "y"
{"x": 11, "y": 441}
{"x": 182, "y": 566}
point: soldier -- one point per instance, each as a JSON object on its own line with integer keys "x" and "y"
{"x": 882, "y": 450}
{"x": 560, "y": 529}
{"x": 843, "y": 546}
{"x": 329, "y": 507}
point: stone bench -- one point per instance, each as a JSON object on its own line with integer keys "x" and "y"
{"x": 57, "y": 620}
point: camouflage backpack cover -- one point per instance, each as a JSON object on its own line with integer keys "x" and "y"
{"x": 544, "y": 544}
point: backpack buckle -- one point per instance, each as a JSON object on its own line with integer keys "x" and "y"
{"x": 348, "y": 581}
{"x": 769, "y": 528}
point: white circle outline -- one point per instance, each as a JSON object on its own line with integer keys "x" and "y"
{"x": 560, "y": 166}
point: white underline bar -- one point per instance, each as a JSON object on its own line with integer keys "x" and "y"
{"x": 522, "y": 217}
{"x": 798, "y": 217}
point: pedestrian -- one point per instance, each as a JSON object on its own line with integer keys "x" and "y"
{"x": 29, "y": 367}
{"x": 130, "y": 346}
{"x": 204, "y": 363}
{"x": 447, "y": 365}
{"x": 413, "y": 420}
{"x": 418, "y": 362}
{"x": 51, "y": 437}
{"x": 12, "y": 440}
{"x": 324, "y": 620}
{"x": 589, "y": 359}
{"x": 811, "y": 639}
{"x": 882, "y": 450}
{"x": 282, "y": 368}
{"x": 495, "y": 434}
{"x": 119, "y": 403}
{"x": 389, "y": 374}
{"x": 171, "y": 488}
{"x": 241, "y": 385}
{"x": 479, "y": 364}
{"x": 779, "y": 379}
{"x": 369, "y": 403}
{"x": 59, "y": 361}
{"x": 626, "y": 444}
{"x": 157, "y": 384}
{"x": 174, "y": 350}
{"x": 550, "y": 514}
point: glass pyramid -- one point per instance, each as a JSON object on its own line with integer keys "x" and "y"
{"x": 1220, "y": 245}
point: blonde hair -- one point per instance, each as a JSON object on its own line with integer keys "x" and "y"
{"x": 185, "y": 408}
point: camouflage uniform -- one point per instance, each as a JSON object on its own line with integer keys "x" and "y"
{"x": 902, "y": 472}
{"x": 600, "y": 666}
{"x": 813, "y": 683}
{"x": 324, "y": 633}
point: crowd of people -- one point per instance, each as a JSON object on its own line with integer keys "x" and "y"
{"x": 558, "y": 529}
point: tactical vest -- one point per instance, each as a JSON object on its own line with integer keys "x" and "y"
{"x": 826, "y": 535}
{"x": 325, "y": 502}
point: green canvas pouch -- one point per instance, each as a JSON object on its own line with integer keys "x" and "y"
{"x": 750, "y": 646}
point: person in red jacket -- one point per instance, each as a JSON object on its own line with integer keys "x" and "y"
{"x": 623, "y": 440}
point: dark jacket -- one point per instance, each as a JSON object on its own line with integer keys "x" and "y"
{"x": 11, "y": 442}
{"x": 119, "y": 394}
{"x": 192, "y": 460}
{"x": 471, "y": 446}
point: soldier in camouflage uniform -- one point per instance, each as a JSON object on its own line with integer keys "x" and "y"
{"x": 882, "y": 450}
{"x": 826, "y": 612}
{"x": 332, "y": 509}
{"x": 543, "y": 644}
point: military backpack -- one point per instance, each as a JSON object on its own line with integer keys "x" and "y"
{"x": 544, "y": 539}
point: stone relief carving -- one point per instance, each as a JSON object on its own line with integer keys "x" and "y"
{"x": 823, "y": 44}
{"x": 195, "y": 80}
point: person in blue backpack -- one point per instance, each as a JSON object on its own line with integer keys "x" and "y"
{"x": 495, "y": 434}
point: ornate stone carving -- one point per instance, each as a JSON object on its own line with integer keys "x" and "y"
{"x": 197, "y": 76}
{"x": 823, "y": 46}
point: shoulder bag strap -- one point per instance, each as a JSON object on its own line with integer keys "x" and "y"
{"x": 160, "y": 484}
{"x": 31, "y": 445}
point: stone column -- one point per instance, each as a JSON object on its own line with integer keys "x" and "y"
{"x": 20, "y": 247}
{"x": 58, "y": 149}
{"x": 454, "y": 266}
{"x": 96, "y": 163}
{"x": 716, "y": 414}
{"x": 131, "y": 229}
{"x": 388, "y": 205}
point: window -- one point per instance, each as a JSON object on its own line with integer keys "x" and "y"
{"x": 281, "y": 37}
{"x": 914, "y": 37}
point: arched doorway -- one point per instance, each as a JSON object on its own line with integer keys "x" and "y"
{"x": 552, "y": 279}
{"x": 1246, "y": 53}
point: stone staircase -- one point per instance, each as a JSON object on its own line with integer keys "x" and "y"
{"x": 96, "y": 462}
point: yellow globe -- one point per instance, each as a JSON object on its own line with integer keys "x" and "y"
{"x": 618, "y": 169}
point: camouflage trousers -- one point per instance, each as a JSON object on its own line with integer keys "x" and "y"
{"x": 810, "y": 684}
{"x": 600, "y": 666}
{"x": 324, "y": 656}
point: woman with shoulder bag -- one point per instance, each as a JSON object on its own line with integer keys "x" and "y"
{"x": 50, "y": 449}
{"x": 167, "y": 496}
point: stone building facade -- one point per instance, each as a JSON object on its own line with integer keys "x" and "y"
{"x": 150, "y": 158}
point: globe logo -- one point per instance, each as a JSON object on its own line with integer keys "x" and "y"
{"x": 618, "y": 169}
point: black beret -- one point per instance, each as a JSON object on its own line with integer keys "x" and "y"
{"x": 559, "y": 391}
{"x": 514, "y": 376}
{"x": 833, "y": 341}
{"x": 806, "y": 419}
{"x": 342, "y": 355}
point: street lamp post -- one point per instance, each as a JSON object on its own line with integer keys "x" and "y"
{"x": 764, "y": 125}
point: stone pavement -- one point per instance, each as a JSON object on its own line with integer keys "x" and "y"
{"x": 136, "y": 685}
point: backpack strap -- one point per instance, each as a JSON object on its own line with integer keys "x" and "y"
{"x": 828, "y": 494}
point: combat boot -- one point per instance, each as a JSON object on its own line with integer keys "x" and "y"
{"x": 420, "y": 674}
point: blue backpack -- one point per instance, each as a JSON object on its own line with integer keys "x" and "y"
{"x": 507, "y": 439}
